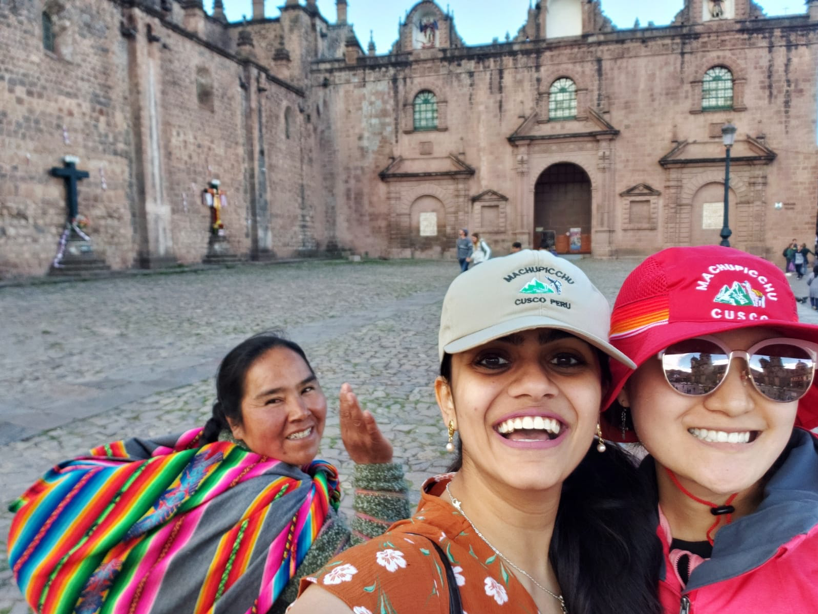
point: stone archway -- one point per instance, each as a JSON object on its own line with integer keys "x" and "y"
{"x": 562, "y": 201}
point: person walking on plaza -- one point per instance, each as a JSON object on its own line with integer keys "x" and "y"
{"x": 480, "y": 249}
{"x": 516, "y": 247}
{"x": 813, "y": 290}
{"x": 802, "y": 260}
{"x": 464, "y": 249}
{"x": 789, "y": 255}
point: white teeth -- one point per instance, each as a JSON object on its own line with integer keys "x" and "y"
{"x": 530, "y": 423}
{"x": 720, "y": 436}
{"x": 300, "y": 434}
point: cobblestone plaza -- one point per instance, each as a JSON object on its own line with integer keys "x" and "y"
{"x": 85, "y": 363}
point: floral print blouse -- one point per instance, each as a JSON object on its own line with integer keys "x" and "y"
{"x": 400, "y": 572}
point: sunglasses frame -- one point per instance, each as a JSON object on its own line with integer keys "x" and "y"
{"x": 807, "y": 346}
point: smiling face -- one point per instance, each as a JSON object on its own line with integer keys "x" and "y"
{"x": 679, "y": 431}
{"x": 283, "y": 408}
{"x": 526, "y": 406}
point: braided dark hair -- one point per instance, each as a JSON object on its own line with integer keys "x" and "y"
{"x": 232, "y": 374}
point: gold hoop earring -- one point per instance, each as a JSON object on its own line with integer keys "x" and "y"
{"x": 600, "y": 447}
{"x": 450, "y": 445}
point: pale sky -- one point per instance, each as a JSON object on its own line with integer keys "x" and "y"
{"x": 479, "y": 21}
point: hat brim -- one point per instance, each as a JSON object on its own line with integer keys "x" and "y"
{"x": 656, "y": 339}
{"x": 517, "y": 325}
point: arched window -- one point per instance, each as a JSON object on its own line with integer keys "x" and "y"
{"x": 717, "y": 89}
{"x": 48, "y": 33}
{"x": 562, "y": 100}
{"x": 288, "y": 122}
{"x": 425, "y": 111}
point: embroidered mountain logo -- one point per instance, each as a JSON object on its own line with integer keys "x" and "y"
{"x": 535, "y": 286}
{"x": 740, "y": 295}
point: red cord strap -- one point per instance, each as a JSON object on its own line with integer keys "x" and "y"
{"x": 717, "y": 510}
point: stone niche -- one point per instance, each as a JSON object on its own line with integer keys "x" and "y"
{"x": 428, "y": 223}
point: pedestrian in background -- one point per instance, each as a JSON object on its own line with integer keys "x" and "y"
{"x": 789, "y": 254}
{"x": 813, "y": 290}
{"x": 804, "y": 253}
{"x": 480, "y": 249}
{"x": 516, "y": 247}
{"x": 464, "y": 249}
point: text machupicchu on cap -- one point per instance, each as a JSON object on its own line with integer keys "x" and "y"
{"x": 526, "y": 290}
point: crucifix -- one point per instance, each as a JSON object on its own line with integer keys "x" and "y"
{"x": 71, "y": 176}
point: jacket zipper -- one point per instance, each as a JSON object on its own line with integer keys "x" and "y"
{"x": 685, "y": 609}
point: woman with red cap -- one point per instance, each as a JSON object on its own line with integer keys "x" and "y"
{"x": 721, "y": 400}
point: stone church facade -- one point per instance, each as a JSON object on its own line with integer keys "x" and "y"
{"x": 321, "y": 144}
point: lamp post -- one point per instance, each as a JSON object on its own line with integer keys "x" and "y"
{"x": 728, "y": 137}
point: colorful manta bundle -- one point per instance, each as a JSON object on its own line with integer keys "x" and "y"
{"x": 167, "y": 526}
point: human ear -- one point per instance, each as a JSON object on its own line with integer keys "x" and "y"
{"x": 445, "y": 400}
{"x": 237, "y": 429}
{"x": 623, "y": 398}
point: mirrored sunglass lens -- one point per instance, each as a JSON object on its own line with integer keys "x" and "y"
{"x": 782, "y": 372}
{"x": 694, "y": 366}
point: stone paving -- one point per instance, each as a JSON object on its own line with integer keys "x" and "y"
{"x": 373, "y": 325}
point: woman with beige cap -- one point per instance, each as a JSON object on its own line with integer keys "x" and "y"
{"x": 722, "y": 400}
{"x": 538, "y": 515}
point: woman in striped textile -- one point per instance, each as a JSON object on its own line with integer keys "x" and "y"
{"x": 224, "y": 519}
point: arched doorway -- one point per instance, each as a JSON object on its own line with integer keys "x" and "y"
{"x": 562, "y": 202}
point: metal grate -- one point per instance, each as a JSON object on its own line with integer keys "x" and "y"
{"x": 48, "y": 33}
{"x": 562, "y": 100}
{"x": 717, "y": 89}
{"x": 425, "y": 111}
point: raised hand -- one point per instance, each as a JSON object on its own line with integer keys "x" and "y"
{"x": 362, "y": 438}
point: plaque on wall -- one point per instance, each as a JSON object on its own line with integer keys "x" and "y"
{"x": 712, "y": 216}
{"x": 428, "y": 224}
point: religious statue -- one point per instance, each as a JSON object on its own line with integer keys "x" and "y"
{"x": 717, "y": 9}
{"x": 427, "y": 27}
{"x": 214, "y": 198}
{"x": 75, "y": 254}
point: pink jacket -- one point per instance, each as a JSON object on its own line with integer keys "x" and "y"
{"x": 766, "y": 562}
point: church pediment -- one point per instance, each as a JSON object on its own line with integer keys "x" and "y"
{"x": 749, "y": 151}
{"x": 489, "y": 196}
{"x": 641, "y": 189}
{"x": 536, "y": 129}
{"x": 421, "y": 168}
{"x": 427, "y": 27}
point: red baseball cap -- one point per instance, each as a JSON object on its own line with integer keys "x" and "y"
{"x": 685, "y": 292}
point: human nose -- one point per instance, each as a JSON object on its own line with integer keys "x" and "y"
{"x": 298, "y": 409}
{"x": 734, "y": 396}
{"x": 532, "y": 380}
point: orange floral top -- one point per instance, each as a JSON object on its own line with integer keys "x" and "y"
{"x": 401, "y": 573}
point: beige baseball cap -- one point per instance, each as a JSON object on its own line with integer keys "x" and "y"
{"x": 529, "y": 289}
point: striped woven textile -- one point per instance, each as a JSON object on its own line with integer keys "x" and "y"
{"x": 167, "y": 527}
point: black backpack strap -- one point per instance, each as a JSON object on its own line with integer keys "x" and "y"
{"x": 455, "y": 605}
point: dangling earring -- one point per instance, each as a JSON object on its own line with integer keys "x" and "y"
{"x": 600, "y": 447}
{"x": 450, "y": 445}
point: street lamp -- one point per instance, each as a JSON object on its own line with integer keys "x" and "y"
{"x": 728, "y": 137}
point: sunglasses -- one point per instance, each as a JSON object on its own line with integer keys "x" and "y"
{"x": 781, "y": 370}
